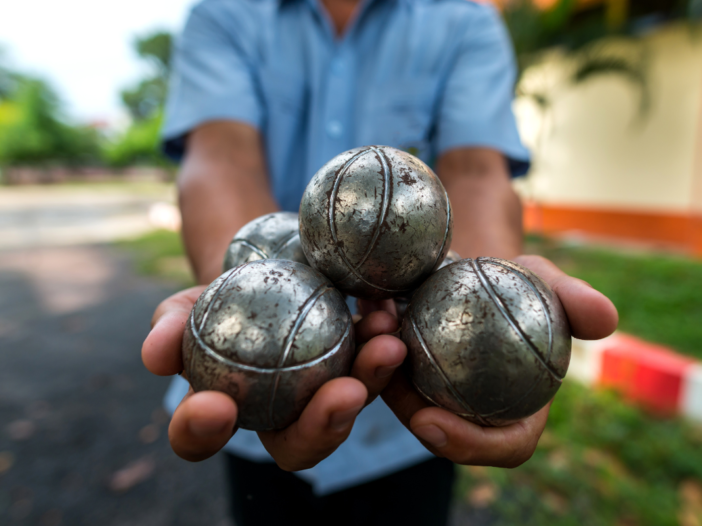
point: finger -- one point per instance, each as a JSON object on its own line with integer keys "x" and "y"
{"x": 401, "y": 397}
{"x": 322, "y": 427}
{"x": 377, "y": 361}
{"x": 450, "y": 436}
{"x": 365, "y": 307}
{"x": 466, "y": 443}
{"x": 202, "y": 424}
{"x": 180, "y": 301}
{"x": 161, "y": 351}
{"x": 375, "y": 324}
{"x": 591, "y": 314}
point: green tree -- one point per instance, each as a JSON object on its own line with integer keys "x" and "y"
{"x": 156, "y": 48}
{"x": 571, "y": 25}
{"x": 33, "y": 132}
{"x": 148, "y": 96}
{"x": 139, "y": 144}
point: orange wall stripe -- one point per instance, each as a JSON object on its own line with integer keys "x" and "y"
{"x": 684, "y": 230}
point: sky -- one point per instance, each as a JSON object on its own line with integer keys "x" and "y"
{"x": 84, "y": 47}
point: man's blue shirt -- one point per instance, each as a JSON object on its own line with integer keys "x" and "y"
{"x": 421, "y": 75}
{"x": 425, "y": 76}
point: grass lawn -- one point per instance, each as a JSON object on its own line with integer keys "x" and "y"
{"x": 600, "y": 462}
{"x": 157, "y": 189}
{"x": 160, "y": 253}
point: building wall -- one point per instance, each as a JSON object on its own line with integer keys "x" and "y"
{"x": 596, "y": 149}
{"x": 593, "y": 148}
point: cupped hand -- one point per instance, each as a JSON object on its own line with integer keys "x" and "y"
{"x": 205, "y": 421}
{"x": 591, "y": 315}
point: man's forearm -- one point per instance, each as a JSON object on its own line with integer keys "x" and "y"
{"x": 222, "y": 186}
{"x": 487, "y": 211}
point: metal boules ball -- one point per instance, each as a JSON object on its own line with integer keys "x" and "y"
{"x": 273, "y": 236}
{"x": 376, "y": 221}
{"x": 269, "y": 334}
{"x": 488, "y": 340}
{"x": 401, "y": 302}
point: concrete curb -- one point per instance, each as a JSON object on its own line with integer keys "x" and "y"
{"x": 650, "y": 375}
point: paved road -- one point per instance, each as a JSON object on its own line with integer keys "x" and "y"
{"x": 42, "y": 216}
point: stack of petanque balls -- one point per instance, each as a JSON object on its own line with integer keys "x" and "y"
{"x": 486, "y": 338}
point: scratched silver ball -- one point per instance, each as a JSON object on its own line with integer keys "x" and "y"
{"x": 376, "y": 221}
{"x": 401, "y": 302}
{"x": 272, "y": 236}
{"x": 488, "y": 340}
{"x": 268, "y": 333}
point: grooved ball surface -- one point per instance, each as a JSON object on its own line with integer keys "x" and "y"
{"x": 376, "y": 221}
{"x": 401, "y": 302}
{"x": 487, "y": 339}
{"x": 268, "y": 333}
{"x": 272, "y": 236}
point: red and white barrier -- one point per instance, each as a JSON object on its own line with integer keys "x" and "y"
{"x": 650, "y": 375}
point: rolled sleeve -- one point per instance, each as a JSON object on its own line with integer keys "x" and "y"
{"x": 476, "y": 107}
{"x": 211, "y": 80}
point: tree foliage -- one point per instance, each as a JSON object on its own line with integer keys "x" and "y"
{"x": 140, "y": 143}
{"x": 148, "y": 97}
{"x": 33, "y": 131}
{"x": 571, "y": 25}
{"x": 156, "y": 48}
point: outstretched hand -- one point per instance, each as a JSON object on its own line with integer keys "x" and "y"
{"x": 205, "y": 421}
{"x": 591, "y": 315}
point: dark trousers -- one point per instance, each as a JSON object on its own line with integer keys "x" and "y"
{"x": 262, "y": 494}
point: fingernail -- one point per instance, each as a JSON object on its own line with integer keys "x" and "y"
{"x": 432, "y": 434}
{"x": 205, "y": 429}
{"x": 342, "y": 419}
{"x": 385, "y": 371}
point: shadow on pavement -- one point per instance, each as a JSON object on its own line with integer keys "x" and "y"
{"x": 83, "y": 436}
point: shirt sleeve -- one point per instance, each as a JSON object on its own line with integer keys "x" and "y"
{"x": 212, "y": 79}
{"x": 476, "y": 106}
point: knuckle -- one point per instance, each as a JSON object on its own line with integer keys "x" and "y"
{"x": 531, "y": 259}
{"x": 285, "y": 466}
{"x": 465, "y": 460}
{"x": 157, "y": 314}
{"x": 520, "y": 456}
{"x": 510, "y": 459}
{"x": 291, "y": 466}
{"x": 189, "y": 452}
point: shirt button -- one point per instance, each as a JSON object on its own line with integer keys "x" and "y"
{"x": 337, "y": 67}
{"x": 334, "y": 129}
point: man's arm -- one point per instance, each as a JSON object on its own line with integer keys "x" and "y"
{"x": 487, "y": 213}
{"x": 222, "y": 185}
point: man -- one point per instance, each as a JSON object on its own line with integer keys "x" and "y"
{"x": 264, "y": 93}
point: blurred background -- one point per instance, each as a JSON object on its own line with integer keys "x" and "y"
{"x": 609, "y": 100}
